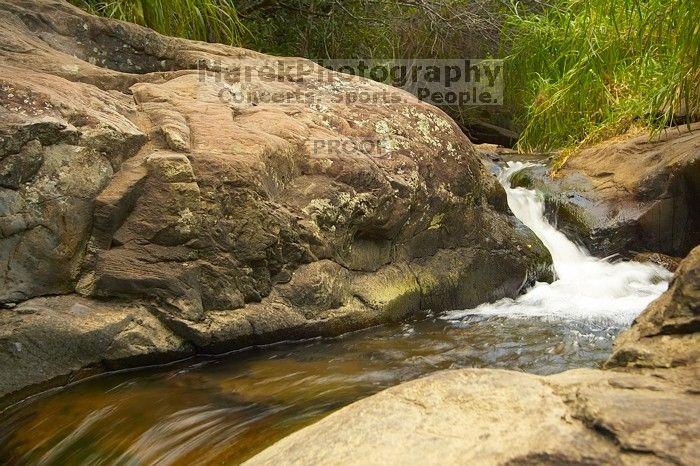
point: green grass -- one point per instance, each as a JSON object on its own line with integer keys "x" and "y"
{"x": 207, "y": 20}
{"x": 585, "y": 70}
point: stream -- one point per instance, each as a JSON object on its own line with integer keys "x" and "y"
{"x": 222, "y": 410}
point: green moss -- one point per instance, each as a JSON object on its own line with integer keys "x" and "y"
{"x": 394, "y": 290}
{"x": 436, "y": 222}
{"x": 521, "y": 179}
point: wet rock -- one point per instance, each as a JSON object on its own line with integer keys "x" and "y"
{"x": 481, "y": 131}
{"x": 667, "y": 333}
{"x": 668, "y": 262}
{"x": 46, "y": 342}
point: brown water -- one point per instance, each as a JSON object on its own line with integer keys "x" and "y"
{"x": 223, "y": 410}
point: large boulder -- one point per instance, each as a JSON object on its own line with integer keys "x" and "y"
{"x": 497, "y": 417}
{"x": 645, "y": 410}
{"x": 636, "y": 194}
{"x": 208, "y": 198}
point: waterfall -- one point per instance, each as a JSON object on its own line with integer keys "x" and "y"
{"x": 585, "y": 287}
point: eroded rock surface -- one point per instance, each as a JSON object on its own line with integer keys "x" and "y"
{"x": 636, "y": 194}
{"x": 644, "y": 411}
{"x": 667, "y": 333}
{"x": 157, "y": 180}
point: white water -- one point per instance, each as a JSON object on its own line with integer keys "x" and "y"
{"x": 586, "y": 288}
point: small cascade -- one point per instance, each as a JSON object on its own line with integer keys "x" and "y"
{"x": 585, "y": 287}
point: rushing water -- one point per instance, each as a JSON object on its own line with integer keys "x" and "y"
{"x": 223, "y": 410}
{"x": 586, "y": 288}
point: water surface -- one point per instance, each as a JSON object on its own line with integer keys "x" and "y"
{"x": 222, "y": 410}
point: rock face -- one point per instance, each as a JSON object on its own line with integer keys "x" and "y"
{"x": 645, "y": 410}
{"x": 636, "y": 194}
{"x": 49, "y": 341}
{"x": 488, "y": 416}
{"x": 666, "y": 334}
{"x": 160, "y": 197}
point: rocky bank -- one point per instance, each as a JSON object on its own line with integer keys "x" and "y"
{"x": 161, "y": 197}
{"x": 637, "y": 194}
{"x": 643, "y": 410}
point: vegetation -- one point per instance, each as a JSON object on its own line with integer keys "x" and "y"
{"x": 578, "y": 71}
{"x": 373, "y": 28}
{"x": 207, "y": 20}
{"x": 586, "y": 70}
{"x": 320, "y": 29}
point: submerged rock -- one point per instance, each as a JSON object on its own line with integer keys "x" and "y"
{"x": 628, "y": 196}
{"x": 644, "y": 411}
{"x": 212, "y": 198}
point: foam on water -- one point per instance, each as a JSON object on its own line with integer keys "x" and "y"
{"x": 585, "y": 287}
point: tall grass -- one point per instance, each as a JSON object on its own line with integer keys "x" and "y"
{"x": 586, "y": 70}
{"x": 207, "y": 20}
